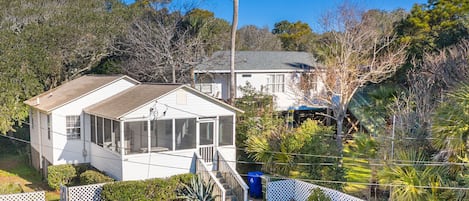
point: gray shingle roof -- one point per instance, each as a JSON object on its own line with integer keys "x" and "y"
{"x": 72, "y": 90}
{"x": 260, "y": 61}
{"x": 127, "y": 101}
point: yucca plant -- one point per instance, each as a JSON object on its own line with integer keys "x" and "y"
{"x": 198, "y": 190}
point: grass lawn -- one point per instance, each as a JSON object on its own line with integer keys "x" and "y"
{"x": 16, "y": 174}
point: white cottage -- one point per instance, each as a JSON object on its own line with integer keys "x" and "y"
{"x": 275, "y": 72}
{"x": 130, "y": 130}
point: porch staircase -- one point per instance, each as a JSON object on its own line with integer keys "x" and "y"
{"x": 229, "y": 195}
{"x": 228, "y": 184}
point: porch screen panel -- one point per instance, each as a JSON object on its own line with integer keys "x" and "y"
{"x": 99, "y": 130}
{"x": 116, "y": 132}
{"x": 161, "y": 135}
{"x": 206, "y": 133}
{"x": 107, "y": 134}
{"x": 135, "y": 137}
{"x": 185, "y": 134}
{"x": 225, "y": 124}
{"x": 93, "y": 128}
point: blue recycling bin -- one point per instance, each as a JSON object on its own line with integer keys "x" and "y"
{"x": 255, "y": 184}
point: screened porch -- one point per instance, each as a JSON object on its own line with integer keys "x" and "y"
{"x": 140, "y": 136}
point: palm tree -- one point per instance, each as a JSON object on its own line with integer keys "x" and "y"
{"x": 410, "y": 179}
{"x": 450, "y": 126}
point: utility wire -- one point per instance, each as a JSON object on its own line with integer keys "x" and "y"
{"x": 276, "y": 177}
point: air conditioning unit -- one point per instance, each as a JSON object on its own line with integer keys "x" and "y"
{"x": 211, "y": 89}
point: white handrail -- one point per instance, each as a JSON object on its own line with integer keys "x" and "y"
{"x": 212, "y": 176}
{"x": 235, "y": 174}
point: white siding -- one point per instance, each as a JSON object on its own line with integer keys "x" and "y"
{"x": 65, "y": 151}
{"x": 33, "y": 128}
{"x": 107, "y": 161}
{"x": 47, "y": 144}
{"x": 168, "y": 107}
{"x": 158, "y": 165}
{"x": 289, "y": 98}
{"x": 71, "y": 151}
{"x": 292, "y": 97}
{"x": 38, "y": 135}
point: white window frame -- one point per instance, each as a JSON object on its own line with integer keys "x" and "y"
{"x": 72, "y": 127}
{"x": 275, "y": 83}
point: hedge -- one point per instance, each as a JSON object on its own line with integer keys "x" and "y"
{"x": 93, "y": 177}
{"x": 60, "y": 175}
{"x": 151, "y": 189}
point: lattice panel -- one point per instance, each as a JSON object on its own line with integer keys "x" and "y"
{"x": 287, "y": 190}
{"x": 281, "y": 190}
{"x": 32, "y": 196}
{"x": 85, "y": 193}
{"x": 303, "y": 190}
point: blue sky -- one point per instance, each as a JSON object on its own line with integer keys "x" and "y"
{"x": 267, "y": 12}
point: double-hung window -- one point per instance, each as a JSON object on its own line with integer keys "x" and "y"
{"x": 73, "y": 127}
{"x": 276, "y": 83}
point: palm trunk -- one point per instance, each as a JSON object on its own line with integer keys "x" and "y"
{"x": 233, "y": 49}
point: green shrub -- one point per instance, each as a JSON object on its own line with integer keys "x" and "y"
{"x": 182, "y": 178}
{"x": 10, "y": 188}
{"x": 124, "y": 190}
{"x": 151, "y": 189}
{"x": 60, "y": 175}
{"x": 318, "y": 195}
{"x": 93, "y": 177}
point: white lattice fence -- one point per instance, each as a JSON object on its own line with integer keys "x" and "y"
{"x": 299, "y": 191}
{"x": 281, "y": 190}
{"x": 32, "y": 196}
{"x": 82, "y": 193}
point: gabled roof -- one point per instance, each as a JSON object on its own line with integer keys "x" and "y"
{"x": 129, "y": 100}
{"x": 259, "y": 61}
{"x": 135, "y": 97}
{"x": 72, "y": 90}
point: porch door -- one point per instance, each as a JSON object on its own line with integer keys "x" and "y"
{"x": 207, "y": 140}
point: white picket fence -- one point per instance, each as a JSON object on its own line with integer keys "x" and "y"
{"x": 32, "y": 196}
{"x": 299, "y": 191}
{"x": 81, "y": 193}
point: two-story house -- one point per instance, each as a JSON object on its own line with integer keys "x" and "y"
{"x": 279, "y": 73}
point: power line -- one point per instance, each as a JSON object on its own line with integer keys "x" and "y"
{"x": 308, "y": 180}
{"x": 401, "y": 162}
{"x": 430, "y": 163}
{"x": 369, "y": 184}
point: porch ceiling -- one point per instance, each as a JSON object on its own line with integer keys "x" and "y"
{"x": 129, "y": 100}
